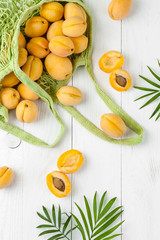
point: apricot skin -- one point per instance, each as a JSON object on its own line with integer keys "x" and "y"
{"x": 6, "y": 176}
{"x": 36, "y": 27}
{"x": 22, "y": 58}
{"x": 74, "y": 27}
{"x": 110, "y": 61}
{"x": 61, "y": 46}
{"x": 10, "y": 80}
{"x": 38, "y": 47}
{"x": 59, "y": 68}
{"x": 74, "y": 10}
{"x": 113, "y": 125}
{"x": 120, "y": 76}
{"x": 119, "y": 9}
{"x": 26, "y": 93}
{"x": 80, "y": 43}
{"x": 33, "y": 68}
{"x": 69, "y": 95}
{"x": 9, "y": 98}
{"x": 26, "y": 111}
{"x": 70, "y": 161}
{"x": 52, "y": 11}
{"x": 21, "y": 41}
{"x": 61, "y": 180}
{"x": 54, "y": 30}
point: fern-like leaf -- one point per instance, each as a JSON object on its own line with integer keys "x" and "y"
{"x": 95, "y": 207}
{"x": 88, "y": 213}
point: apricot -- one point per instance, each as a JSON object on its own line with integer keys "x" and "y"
{"x": 10, "y": 80}
{"x": 110, "y": 61}
{"x": 113, "y": 125}
{"x": 61, "y": 46}
{"x": 119, "y": 9}
{"x": 33, "y": 68}
{"x": 6, "y": 176}
{"x": 22, "y": 58}
{"x": 74, "y": 27}
{"x": 120, "y": 80}
{"x": 9, "y": 98}
{"x": 27, "y": 111}
{"x": 59, "y": 68}
{"x": 27, "y": 93}
{"x": 36, "y": 27}
{"x": 69, "y": 95}
{"x": 55, "y": 30}
{"x": 74, "y": 10}
{"x": 70, "y": 161}
{"x": 21, "y": 40}
{"x": 80, "y": 43}
{"x": 58, "y": 183}
{"x": 52, "y": 11}
{"x": 38, "y": 47}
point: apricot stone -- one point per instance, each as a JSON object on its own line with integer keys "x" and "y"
{"x": 27, "y": 111}
{"x": 119, "y": 9}
{"x": 55, "y": 30}
{"x": 6, "y": 176}
{"x": 61, "y": 46}
{"x": 58, "y": 67}
{"x": 80, "y": 43}
{"x": 21, "y": 40}
{"x": 120, "y": 80}
{"x": 69, "y": 95}
{"x": 26, "y": 93}
{"x": 22, "y": 58}
{"x": 10, "y": 80}
{"x": 33, "y": 68}
{"x": 74, "y": 10}
{"x": 36, "y": 27}
{"x": 52, "y": 11}
{"x": 9, "y": 98}
{"x": 38, "y": 47}
{"x": 74, "y": 27}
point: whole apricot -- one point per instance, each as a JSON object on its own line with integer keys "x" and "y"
{"x": 38, "y": 47}
{"x": 54, "y": 30}
{"x": 21, "y": 40}
{"x": 61, "y": 46}
{"x": 58, "y": 183}
{"x": 33, "y": 68}
{"x": 69, "y": 95}
{"x": 22, "y": 58}
{"x": 52, "y": 11}
{"x": 36, "y": 27}
{"x": 6, "y": 176}
{"x": 26, "y": 93}
{"x": 9, "y": 98}
{"x": 119, "y": 9}
{"x": 59, "y": 68}
{"x": 74, "y": 10}
{"x": 27, "y": 111}
{"x": 113, "y": 125}
{"x": 110, "y": 61}
{"x": 74, "y": 26}
{"x": 80, "y": 43}
{"x": 120, "y": 80}
{"x": 10, "y": 80}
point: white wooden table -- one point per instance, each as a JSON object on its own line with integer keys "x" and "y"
{"x": 130, "y": 173}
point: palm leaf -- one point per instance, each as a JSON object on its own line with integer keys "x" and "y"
{"x": 47, "y": 232}
{"x": 95, "y": 207}
{"x": 155, "y": 111}
{"x": 58, "y": 236}
{"x": 150, "y": 82}
{"x": 113, "y": 236}
{"x": 47, "y": 214}
{"x": 146, "y": 89}
{"x": 66, "y": 223}
{"x": 158, "y": 117}
{"x": 101, "y": 203}
{"x": 107, "y": 207}
{"x": 45, "y": 226}
{"x": 70, "y": 230}
{"x": 158, "y": 62}
{"x": 146, "y": 95}
{"x": 59, "y": 217}
{"x": 53, "y": 214}
{"x": 79, "y": 226}
{"x": 89, "y": 213}
{"x": 44, "y": 218}
{"x": 151, "y": 100}
{"x": 154, "y": 74}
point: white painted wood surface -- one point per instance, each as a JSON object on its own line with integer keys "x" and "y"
{"x": 130, "y": 173}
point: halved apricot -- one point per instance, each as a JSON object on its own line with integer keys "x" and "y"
{"x": 70, "y": 161}
{"x": 58, "y": 183}
{"x": 110, "y": 61}
{"x": 120, "y": 80}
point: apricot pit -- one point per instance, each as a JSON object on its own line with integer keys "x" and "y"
{"x": 120, "y": 80}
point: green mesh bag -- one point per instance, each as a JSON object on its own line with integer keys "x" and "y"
{"x": 13, "y": 15}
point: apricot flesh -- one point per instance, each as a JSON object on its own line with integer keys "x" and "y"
{"x": 27, "y": 111}
{"x": 60, "y": 68}
{"x": 110, "y": 61}
{"x": 54, "y": 30}
{"x": 26, "y": 93}
{"x": 69, "y": 95}
{"x": 74, "y": 10}
{"x": 36, "y": 26}
{"x": 33, "y": 68}
{"x": 6, "y": 176}
{"x": 10, "y": 80}
{"x": 58, "y": 183}
{"x": 21, "y": 40}
{"x": 74, "y": 27}
{"x": 113, "y": 125}
{"x": 70, "y": 161}
{"x": 52, "y": 11}
{"x": 22, "y": 58}
{"x": 9, "y": 98}
{"x": 61, "y": 46}
{"x": 119, "y": 9}
{"x": 120, "y": 80}
{"x": 80, "y": 43}
{"x": 38, "y": 47}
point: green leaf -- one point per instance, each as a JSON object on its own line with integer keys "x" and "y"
{"x": 151, "y": 100}
{"x": 101, "y": 203}
{"x": 107, "y": 207}
{"x": 154, "y": 74}
{"x": 44, "y": 218}
{"x": 66, "y": 223}
{"x": 150, "y": 82}
{"x": 47, "y": 214}
{"x": 59, "y": 217}
{"x": 146, "y": 89}
{"x": 53, "y": 214}
{"x": 113, "y": 236}
{"x": 45, "y": 226}
{"x": 47, "y": 232}
{"x": 88, "y": 213}
{"x": 155, "y": 111}
{"x": 158, "y": 117}
{"x": 56, "y": 237}
{"x": 146, "y": 95}
{"x": 79, "y": 226}
{"x": 95, "y": 207}
{"x": 158, "y": 62}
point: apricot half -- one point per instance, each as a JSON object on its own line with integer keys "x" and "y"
{"x": 6, "y": 176}
{"x": 38, "y": 47}
{"x": 33, "y": 68}
{"x": 22, "y": 58}
{"x": 52, "y": 11}
{"x": 54, "y": 30}
{"x": 74, "y": 10}
{"x": 58, "y": 183}
{"x": 110, "y": 61}
{"x": 27, "y": 93}
{"x": 9, "y": 98}
{"x": 36, "y": 27}
{"x": 10, "y": 80}
{"x": 119, "y": 9}
{"x": 120, "y": 80}
{"x": 26, "y": 111}
{"x": 61, "y": 46}
{"x": 21, "y": 40}
{"x": 74, "y": 26}
{"x": 70, "y": 161}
